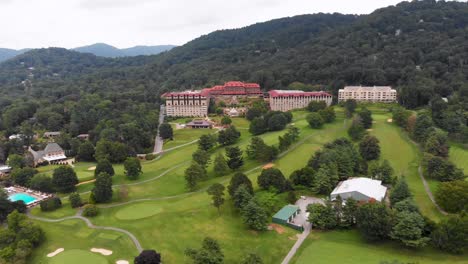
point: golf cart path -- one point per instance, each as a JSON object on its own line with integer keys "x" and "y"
{"x": 90, "y": 225}
{"x": 428, "y": 191}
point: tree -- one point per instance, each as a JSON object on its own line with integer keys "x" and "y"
{"x": 225, "y": 121}
{"x": 400, "y": 191}
{"x": 41, "y": 183}
{"x": 422, "y": 128}
{"x": 201, "y": 157}
{"x": 277, "y": 122}
{"x": 228, "y": 136}
{"x": 272, "y": 177}
{"x": 237, "y": 180}
{"x": 104, "y": 165}
{"x": 321, "y": 216}
{"x": 315, "y": 106}
{"x": 366, "y": 118}
{"x": 407, "y": 205}
{"x": 304, "y": 177}
{"x": 258, "y": 150}
{"x": 220, "y": 166}
{"x": 315, "y": 120}
{"x": 50, "y": 204}
{"x": 325, "y": 179}
{"x": 209, "y": 253}
{"x": 207, "y": 142}
{"x": 165, "y": 131}
{"x": 217, "y": 194}
{"x": 148, "y": 256}
{"x": 400, "y": 116}
{"x": 349, "y": 213}
{"x": 356, "y": 131}
{"x": 369, "y": 148}
{"x": 193, "y": 175}
{"x": 132, "y": 168}
{"x": 251, "y": 258}
{"x": 451, "y": 234}
{"x": 23, "y": 176}
{"x": 254, "y": 216}
{"x": 374, "y": 221}
{"x": 328, "y": 114}
{"x": 235, "y": 159}
{"x": 241, "y": 197}
{"x": 441, "y": 169}
{"x": 350, "y": 106}
{"x": 258, "y": 126}
{"x": 16, "y": 161}
{"x": 103, "y": 188}
{"x": 75, "y": 200}
{"x": 90, "y": 210}
{"x": 453, "y": 196}
{"x": 409, "y": 229}
{"x": 437, "y": 145}
{"x": 86, "y": 151}
{"x": 64, "y": 179}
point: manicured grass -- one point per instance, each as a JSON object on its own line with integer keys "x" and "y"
{"x": 77, "y": 239}
{"x": 185, "y": 135}
{"x": 138, "y": 211}
{"x": 77, "y": 256}
{"x": 405, "y": 158}
{"x": 459, "y": 156}
{"x": 347, "y": 247}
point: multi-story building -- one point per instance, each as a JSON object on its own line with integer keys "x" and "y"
{"x": 285, "y": 100}
{"x": 188, "y": 103}
{"x": 368, "y": 94}
{"x": 234, "y": 88}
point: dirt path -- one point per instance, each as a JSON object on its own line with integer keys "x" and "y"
{"x": 428, "y": 191}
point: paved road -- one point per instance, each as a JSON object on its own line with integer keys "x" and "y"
{"x": 297, "y": 245}
{"x": 90, "y": 225}
{"x": 158, "y": 142}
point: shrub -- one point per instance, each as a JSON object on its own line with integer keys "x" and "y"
{"x": 90, "y": 210}
{"x": 75, "y": 200}
{"x": 50, "y": 204}
{"x": 150, "y": 156}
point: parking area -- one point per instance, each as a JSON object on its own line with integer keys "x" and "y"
{"x": 301, "y": 218}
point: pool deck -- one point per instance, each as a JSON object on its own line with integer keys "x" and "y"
{"x": 39, "y": 196}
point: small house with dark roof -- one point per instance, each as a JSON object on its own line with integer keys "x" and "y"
{"x": 199, "y": 124}
{"x": 52, "y": 154}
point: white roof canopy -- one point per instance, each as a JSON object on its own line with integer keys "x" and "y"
{"x": 368, "y": 187}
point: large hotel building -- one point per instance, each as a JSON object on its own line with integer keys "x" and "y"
{"x": 285, "y": 100}
{"x": 368, "y": 94}
{"x": 188, "y": 103}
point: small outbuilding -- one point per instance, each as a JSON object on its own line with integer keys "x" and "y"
{"x": 286, "y": 214}
{"x": 52, "y": 134}
{"x": 360, "y": 189}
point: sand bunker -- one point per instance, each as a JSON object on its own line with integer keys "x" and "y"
{"x": 102, "y": 251}
{"x": 122, "y": 262}
{"x": 92, "y": 168}
{"x": 370, "y": 129}
{"x": 52, "y": 254}
{"x": 389, "y": 120}
{"x": 269, "y": 165}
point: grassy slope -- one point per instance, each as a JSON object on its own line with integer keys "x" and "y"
{"x": 347, "y": 247}
{"x": 459, "y": 156}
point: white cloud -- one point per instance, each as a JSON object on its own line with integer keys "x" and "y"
{"x": 123, "y": 23}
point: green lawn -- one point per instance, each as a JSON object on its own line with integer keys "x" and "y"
{"x": 347, "y": 247}
{"x": 77, "y": 240}
{"x": 405, "y": 158}
{"x": 459, "y": 156}
{"x": 186, "y": 135}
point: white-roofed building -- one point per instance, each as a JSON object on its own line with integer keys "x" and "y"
{"x": 360, "y": 189}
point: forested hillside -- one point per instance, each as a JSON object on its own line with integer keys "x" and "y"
{"x": 419, "y": 47}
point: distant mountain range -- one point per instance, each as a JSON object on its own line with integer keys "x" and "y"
{"x": 99, "y": 49}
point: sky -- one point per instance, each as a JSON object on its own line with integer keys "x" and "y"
{"x": 126, "y": 23}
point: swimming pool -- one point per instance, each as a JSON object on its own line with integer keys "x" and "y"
{"x": 27, "y": 199}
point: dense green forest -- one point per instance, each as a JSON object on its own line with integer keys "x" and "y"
{"x": 418, "y": 47}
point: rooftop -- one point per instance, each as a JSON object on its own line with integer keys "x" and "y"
{"x": 286, "y": 212}
{"x": 368, "y": 187}
{"x": 188, "y": 92}
{"x": 280, "y": 93}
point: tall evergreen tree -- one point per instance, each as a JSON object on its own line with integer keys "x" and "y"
{"x": 102, "y": 190}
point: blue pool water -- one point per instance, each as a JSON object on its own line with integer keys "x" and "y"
{"x": 27, "y": 199}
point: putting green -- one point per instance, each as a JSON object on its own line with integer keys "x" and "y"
{"x": 78, "y": 256}
{"x": 138, "y": 211}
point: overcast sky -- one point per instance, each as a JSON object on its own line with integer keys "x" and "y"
{"x": 125, "y": 23}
